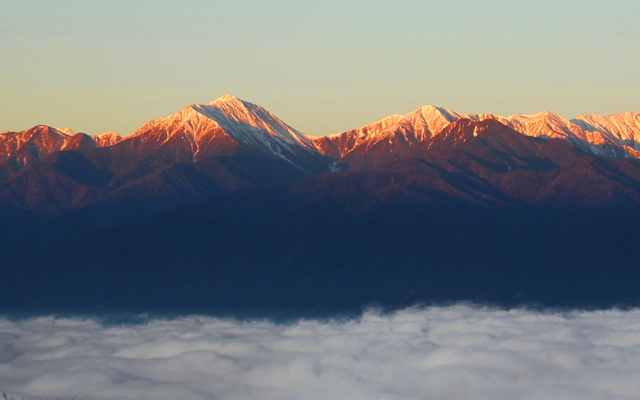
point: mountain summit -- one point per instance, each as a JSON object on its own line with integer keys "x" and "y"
{"x": 222, "y": 125}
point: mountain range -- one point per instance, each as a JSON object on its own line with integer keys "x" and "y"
{"x": 226, "y": 206}
{"x": 219, "y": 127}
{"x": 50, "y": 171}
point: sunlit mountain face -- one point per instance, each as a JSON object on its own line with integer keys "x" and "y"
{"x": 224, "y": 208}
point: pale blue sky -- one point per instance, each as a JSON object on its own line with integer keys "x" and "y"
{"x": 322, "y": 66}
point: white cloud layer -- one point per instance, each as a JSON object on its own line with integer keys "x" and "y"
{"x": 457, "y": 352}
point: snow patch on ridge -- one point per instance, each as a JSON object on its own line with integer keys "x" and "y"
{"x": 66, "y": 131}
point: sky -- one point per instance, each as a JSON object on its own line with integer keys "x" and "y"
{"x": 438, "y": 353}
{"x": 321, "y": 66}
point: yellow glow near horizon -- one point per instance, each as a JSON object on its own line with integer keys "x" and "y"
{"x": 322, "y": 67}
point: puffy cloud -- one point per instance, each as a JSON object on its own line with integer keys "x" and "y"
{"x": 457, "y": 352}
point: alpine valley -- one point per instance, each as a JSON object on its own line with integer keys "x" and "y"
{"x": 223, "y": 207}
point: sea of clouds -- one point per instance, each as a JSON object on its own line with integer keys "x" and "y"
{"x": 456, "y": 352}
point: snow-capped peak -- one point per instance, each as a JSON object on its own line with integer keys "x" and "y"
{"x": 241, "y": 118}
{"x": 611, "y": 136}
{"x": 204, "y": 127}
{"x": 107, "y": 139}
{"x": 66, "y": 131}
{"x": 225, "y": 99}
{"x": 526, "y": 118}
